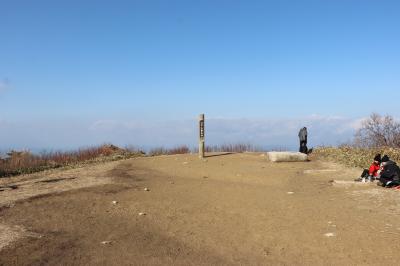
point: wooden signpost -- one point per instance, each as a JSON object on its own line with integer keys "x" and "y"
{"x": 201, "y": 136}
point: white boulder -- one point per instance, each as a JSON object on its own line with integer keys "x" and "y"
{"x": 285, "y": 156}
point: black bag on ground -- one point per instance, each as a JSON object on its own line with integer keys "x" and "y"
{"x": 365, "y": 173}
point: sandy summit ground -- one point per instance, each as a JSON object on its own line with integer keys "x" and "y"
{"x": 225, "y": 210}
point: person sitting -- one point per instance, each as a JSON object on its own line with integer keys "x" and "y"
{"x": 390, "y": 175}
{"x": 373, "y": 172}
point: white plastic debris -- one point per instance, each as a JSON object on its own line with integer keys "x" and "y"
{"x": 290, "y": 192}
{"x": 330, "y": 234}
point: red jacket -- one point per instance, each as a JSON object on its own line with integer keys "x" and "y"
{"x": 373, "y": 169}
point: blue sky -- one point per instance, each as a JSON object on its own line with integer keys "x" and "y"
{"x": 76, "y": 73}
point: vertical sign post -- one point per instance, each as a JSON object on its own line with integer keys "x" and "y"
{"x": 201, "y": 136}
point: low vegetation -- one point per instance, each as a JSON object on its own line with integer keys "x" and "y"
{"x": 238, "y": 147}
{"x": 355, "y": 156}
{"x": 164, "y": 151}
{"x": 25, "y": 162}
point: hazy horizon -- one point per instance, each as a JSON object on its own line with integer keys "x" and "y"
{"x": 265, "y": 133}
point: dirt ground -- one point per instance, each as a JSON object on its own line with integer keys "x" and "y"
{"x": 229, "y": 209}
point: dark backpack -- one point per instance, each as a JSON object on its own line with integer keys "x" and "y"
{"x": 391, "y": 172}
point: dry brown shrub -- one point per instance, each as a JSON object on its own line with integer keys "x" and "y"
{"x": 378, "y": 131}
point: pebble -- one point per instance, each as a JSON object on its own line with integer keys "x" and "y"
{"x": 330, "y": 234}
{"x": 290, "y": 192}
{"x": 142, "y": 213}
{"x": 146, "y": 189}
{"x": 114, "y": 202}
{"x": 106, "y": 242}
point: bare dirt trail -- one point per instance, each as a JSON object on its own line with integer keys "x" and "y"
{"x": 225, "y": 210}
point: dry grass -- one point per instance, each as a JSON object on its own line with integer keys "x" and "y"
{"x": 238, "y": 147}
{"x": 164, "y": 151}
{"x": 358, "y": 157}
{"x": 24, "y": 162}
